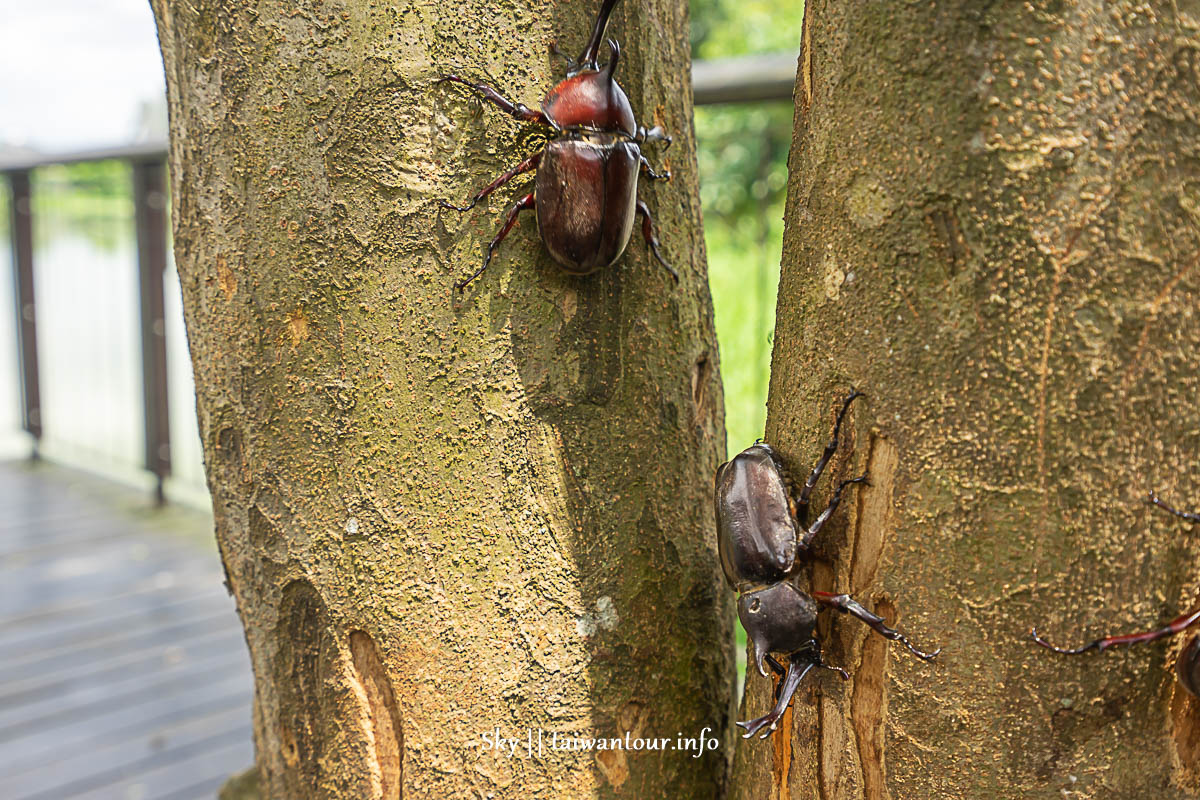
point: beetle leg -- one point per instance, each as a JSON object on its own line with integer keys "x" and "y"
{"x": 527, "y": 165}
{"x": 1177, "y": 625}
{"x": 651, "y": 239}
{"x": 796, "y": 670}
{"x": 655, "y": 134}
{"x": 524, "y": 203}
{"x": 773, "y": 664}
{"x": 665, "y": 175}
{"x": 830, "y": 449}
{"x": 517, "y": 110}
{"x": 1190, "y": 516}
{"x": 848, "y": 605}
{"x": 824, "y": 516}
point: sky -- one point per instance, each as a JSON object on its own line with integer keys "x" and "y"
{"x": 74, "y": 74}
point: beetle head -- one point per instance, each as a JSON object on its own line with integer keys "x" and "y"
{"x": 777, "y": 619}
{"x": 591, "y": 98}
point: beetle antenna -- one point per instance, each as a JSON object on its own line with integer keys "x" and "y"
{"x": 587, "y": 59}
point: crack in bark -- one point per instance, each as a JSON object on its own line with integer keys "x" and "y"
{"x": 874, "y": 512}
{"x": 1060, "y": 263}
{"x": 382, "y": 727}
{"x": 300, "y": 668}
{"x": 782, "y": 755}
{"x": 868, "y": 709}
{"x": 868, "y": 703}
{"x": 702, "y": 373}
{"x": 1135, "y": 365}
{"x": 823, "y": 580}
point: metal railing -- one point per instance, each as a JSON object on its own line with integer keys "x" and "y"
{"x": 749, "y": 79}
{"x": 148, "y": 166}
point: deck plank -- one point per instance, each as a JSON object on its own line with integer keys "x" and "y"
{"x": 123, "y": 669}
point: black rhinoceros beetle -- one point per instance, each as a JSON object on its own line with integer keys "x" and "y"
{"x": 585, "y": 189}
{"x": 762, "y": 537}
{"x": 1187, "y": 668}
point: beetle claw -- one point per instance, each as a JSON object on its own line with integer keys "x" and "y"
{"x": 845, "y": 675}
{"x": 918, "y": 653}
{"x": 1190, "y": 516}
{"x": 755, "y": 725}
{"x": 1066, "y": 651}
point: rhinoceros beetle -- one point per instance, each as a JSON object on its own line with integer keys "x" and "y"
{"x": 585, "y": 187}
{"x": 762, "y": 537}
{"x": 1187, "y": 668}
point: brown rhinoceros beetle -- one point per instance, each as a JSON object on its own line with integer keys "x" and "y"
{"x": 1187, "y": 667}
{"x": 585, "y": 189}
{"x": 762, "y": 537}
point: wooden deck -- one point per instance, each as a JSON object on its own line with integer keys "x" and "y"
{"x": 123, "y": 671}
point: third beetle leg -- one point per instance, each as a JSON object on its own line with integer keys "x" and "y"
{"x": 652, "y": 240}
{"x": 1190, "y": 516}
{"x": 848, "y": 605}
{"x": 1177, "y": 625}
{"x": 518, "y": 110}
{"x": 665, "y": 175}
{"x": 830, "y": 449}
{"x": 527, "y": 165}
{"x": 523, "y": 204}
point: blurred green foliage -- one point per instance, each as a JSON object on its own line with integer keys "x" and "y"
{"x": 743, "y": 177}
{"x": 726, "y": 28}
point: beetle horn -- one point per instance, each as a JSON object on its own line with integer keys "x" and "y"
{"x": 610, "y": 68}
{"x": 760, "y": 653}
{"x": 592, "y": 50}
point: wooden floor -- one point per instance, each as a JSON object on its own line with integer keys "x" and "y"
{"x": 123, "y": 672}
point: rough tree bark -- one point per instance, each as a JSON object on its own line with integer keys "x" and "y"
{"x": 444, "y": 517}
{"x": 992, "y": 230}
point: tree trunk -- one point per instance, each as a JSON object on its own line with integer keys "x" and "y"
{"x": 992, "y": 230}
{"x": 441, "y": 517}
